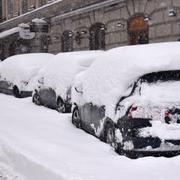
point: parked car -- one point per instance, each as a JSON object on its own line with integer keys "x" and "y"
{"x": 54, "y": 82}
{"x": 129, "y": 98}
{"x": 16, "y": 73}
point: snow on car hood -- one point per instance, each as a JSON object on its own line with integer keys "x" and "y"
{"x": 59, "y": 74}
{"x": 23, "y": 67}
{"x": 109, "y": 77}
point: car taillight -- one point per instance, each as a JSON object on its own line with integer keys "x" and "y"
{"x": 132, "y": 109}
{"x": 167, "y": 114}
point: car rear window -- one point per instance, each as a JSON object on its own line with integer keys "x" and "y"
{"x": 161, "y": 76}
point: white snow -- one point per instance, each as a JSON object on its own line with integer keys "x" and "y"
{"x": 20, "y": 69}
{"x": 24, "y": 25}
{"x": 59, "y": 74}
{"x": 38, "y": 143}
{"x": 110, "y": 76}
{"x": 9, "y": 32}
{"x": 153, "y": 100}
{"x": 163, "y": 92}
{"x": 37, "y": 20}
{"x": 162, "y": 130}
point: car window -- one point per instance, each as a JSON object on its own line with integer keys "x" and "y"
{"x": 161, "y": 76}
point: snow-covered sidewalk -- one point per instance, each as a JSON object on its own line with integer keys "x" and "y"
{"x": 37, "y": 143}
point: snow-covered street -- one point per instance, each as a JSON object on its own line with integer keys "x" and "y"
{"x": 37, "y": 143}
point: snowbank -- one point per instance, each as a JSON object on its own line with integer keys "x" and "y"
{"x": 18, "y": 68}
{"x": 109, "y": 77}
{"x": 59, "y": 74}
{"x": 41, "y": 144}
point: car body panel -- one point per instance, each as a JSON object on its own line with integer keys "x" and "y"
{"x": 6, "y": 87}
{"x": 48, "y": 97}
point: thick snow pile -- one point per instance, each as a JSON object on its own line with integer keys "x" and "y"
{"x": 109, "y": 77}
{"x": 36, "y": 20}
{"x": 40, "y": 144}
{"x": 153, "y": 100}
{"x": 163, "y": 92}
{"x": 59, "y": 74}
{"x": 18, "y": 68}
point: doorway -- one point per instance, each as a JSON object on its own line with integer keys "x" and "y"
{"x": 138, "y": 30}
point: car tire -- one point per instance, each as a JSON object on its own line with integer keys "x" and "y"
{"x": 109, "y": 135}
{"x": 16, "y": 92}
{"x": 36, "y": 98}
{"x": 76, "y": 118}
{"x": 61, "y": 108}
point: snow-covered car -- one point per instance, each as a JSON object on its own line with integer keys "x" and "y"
{"x": 129, "y": 98}
{"x": 16, "y": 72}
{"x": 54, "y": 82}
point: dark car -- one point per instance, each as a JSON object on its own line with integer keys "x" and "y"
{"x": 148, "y": 118}
{"x": 132, "y": 101}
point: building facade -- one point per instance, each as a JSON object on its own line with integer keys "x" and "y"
{"x": 14, "y": 8}
{"x": 1, "y": 15}
{"x": 68, "y": 25}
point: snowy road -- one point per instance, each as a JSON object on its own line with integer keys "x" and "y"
{"x": 37, "y": 143}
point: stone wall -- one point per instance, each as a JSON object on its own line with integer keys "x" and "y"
{"x": 163, "y": 17}
{"x": 162, "y": 27}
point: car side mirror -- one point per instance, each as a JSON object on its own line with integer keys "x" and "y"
{"x": 79, "y": 89}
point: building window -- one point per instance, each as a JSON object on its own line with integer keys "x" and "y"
{"x": 138, "y": 30}
{"x": 1, "y": 18}
{"x": 24, "y": 6}
{"x": 67, "y": 41}
{"x": 97, "y": 36}
{"x": 10, "y": 8}
{"x": 43, "y": 2}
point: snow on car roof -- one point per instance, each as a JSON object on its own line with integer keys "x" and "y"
{"x": 23, "y": 66}
{"x": 59, "y": 74}
{"x": 109, "y": 77}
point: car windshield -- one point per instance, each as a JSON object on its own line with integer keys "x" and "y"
{"x": 161, "y": 87}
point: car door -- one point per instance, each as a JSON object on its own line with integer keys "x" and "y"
{"x": 87, "y": 117}
{"x": 48, "y": 97}
{"x": 5, "y": 87}
{"x": 97, "y": 115}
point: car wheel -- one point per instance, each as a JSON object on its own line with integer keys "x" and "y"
{"x": 16, "y": 92}
{"x": 61, "y": 106}
{"x": 76, "y": 117}
{"x": 36, "y": 98}
{"x": 109, "y": 135}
